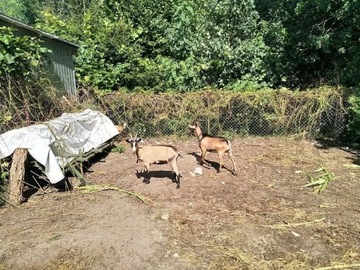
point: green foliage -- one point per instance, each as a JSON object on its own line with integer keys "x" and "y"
{"x": 182, "y": 45}
{"x": 186, "y": 45}
{"x": 4, "y": 179}
{"x": 354, "y": 109}
{"x": 234, "y": 48}
{"x": 4, "y": 171}
{"x": 118, "y": 149}
{"x": 13, "y": 8}
{"x": 22, "y": 10}
{"x": 312, "y": 42}
{"x": 26, "y": 95}
{"x": 246, "y": 86}
{"x": 320, "y": 179}
{"x": 20, "y": 56}
{"x": 108, "y": 50}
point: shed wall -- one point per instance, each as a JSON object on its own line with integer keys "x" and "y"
{"x": 61, "y": 64}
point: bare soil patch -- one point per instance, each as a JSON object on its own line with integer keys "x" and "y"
{"x": 260, "y": 219}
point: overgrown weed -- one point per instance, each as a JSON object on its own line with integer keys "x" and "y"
{"x": 262, "y": 113}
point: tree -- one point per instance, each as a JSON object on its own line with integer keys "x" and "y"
{"x": 19, "y": 56}
{"x": 15, "y": 9}
{"x": 315, "y": 41}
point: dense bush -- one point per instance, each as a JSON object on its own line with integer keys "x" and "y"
{"x": 185, "y": 45}
{"x": 20, "y": 56}
{"x": 182, "y": 45}
{"x": 178, "y": 45}
{"x": 354, "y": 115}
{"x": 26, "y": 93}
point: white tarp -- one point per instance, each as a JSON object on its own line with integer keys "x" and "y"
{"x": 56, "y": 142}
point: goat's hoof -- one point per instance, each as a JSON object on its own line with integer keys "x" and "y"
{"x": 218, "y": 171}
{"x": 175, "y": 178}
{"x": 206, "y": 166}
{"x": 177, "y": 186}
{"x": 146, "y": 181}
{"x": 234, "y": 173}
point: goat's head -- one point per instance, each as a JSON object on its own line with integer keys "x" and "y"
{"x": 196, "y": 129}
{"x": 133, "y": 143}
{"x": 121, "y": 128}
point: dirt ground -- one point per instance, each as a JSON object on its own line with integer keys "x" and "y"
{"x": 263, "y": 218}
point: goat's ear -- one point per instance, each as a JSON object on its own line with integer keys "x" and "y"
{"x": 138, "y": 140}
{"x": 128, "y": 140}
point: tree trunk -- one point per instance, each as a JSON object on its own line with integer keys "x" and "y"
{"x": 17, "y": 176}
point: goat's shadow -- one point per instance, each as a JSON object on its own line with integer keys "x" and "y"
{"x": 155, "y": 174}
{"x": 213, "y": 164}
{"x": 347, "y": 147}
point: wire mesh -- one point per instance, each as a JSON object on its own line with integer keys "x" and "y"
{"x": 313, "y": 115}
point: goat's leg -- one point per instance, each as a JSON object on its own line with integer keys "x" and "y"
{"x": 233, "y": 162}
{"x": 203, "y": 155}
{"x": 172, "y": 165}
{"x": 176, "y": 177}
{"x": 147, "y": 177}
{"x": 221, "y": 160}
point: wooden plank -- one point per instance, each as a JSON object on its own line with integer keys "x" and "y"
{"x": 75, "y": 166}
{"x": 17, "y": 176}
{"x": 83, "y": 157}
{"x": 19, "y": 166}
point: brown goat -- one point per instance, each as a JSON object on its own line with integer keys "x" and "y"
{"x": 209, "y": 143}
{"x": 156, "y": 154}
{"x": 121, "y": 128}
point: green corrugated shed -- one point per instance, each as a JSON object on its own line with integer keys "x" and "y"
{"x": 60, "y": 61}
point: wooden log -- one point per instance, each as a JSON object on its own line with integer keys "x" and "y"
{"x": 17, "y": 176}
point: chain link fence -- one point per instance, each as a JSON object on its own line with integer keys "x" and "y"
{"x": 316, "y": 114}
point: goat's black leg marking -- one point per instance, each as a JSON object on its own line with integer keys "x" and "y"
{"x": 174, "y": 177}
{"x": 177, "y": 180}
{"x": 146, "y": 180}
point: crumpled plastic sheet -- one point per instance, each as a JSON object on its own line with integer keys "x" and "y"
{"x": 56, "y": 142}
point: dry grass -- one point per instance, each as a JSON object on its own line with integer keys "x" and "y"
{"x": 221, "y": 242}
{"x": 263, "y": 222}
{"x": 69, "y": 259}
{"x": 97, "y": 188}
{"x": 278, "y": 226}
{"x": 261, "y": 219}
